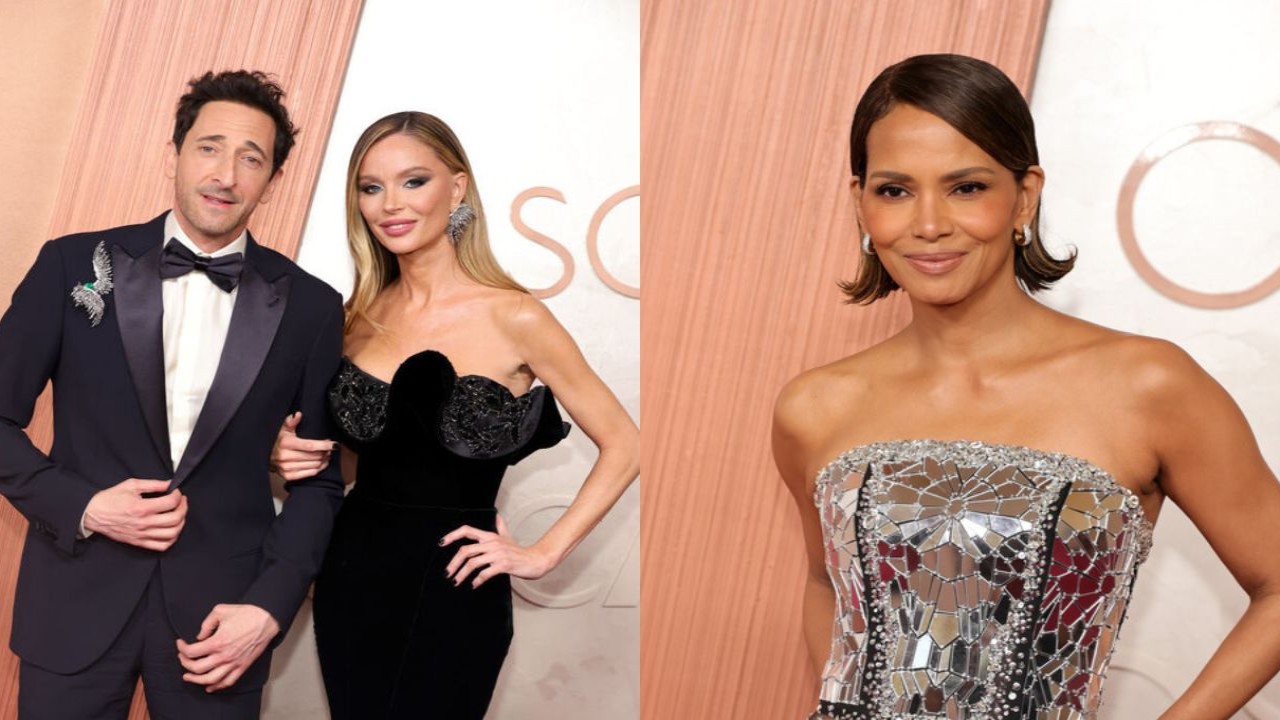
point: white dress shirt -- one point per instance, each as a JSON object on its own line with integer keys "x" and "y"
{"x": 197, "y": 314}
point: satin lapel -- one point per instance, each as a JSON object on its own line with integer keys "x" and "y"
{"x": 139, "y": 307}
{"x": 259, "y": 306}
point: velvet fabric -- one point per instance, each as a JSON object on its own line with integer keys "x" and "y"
{"x": 396, "y": 637}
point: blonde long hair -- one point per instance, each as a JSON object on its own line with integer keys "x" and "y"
{"x": 376, "y": 267}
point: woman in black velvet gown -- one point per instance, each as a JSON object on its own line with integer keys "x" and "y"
{"x": 435, "y": 396}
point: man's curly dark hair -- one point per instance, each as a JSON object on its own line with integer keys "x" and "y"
{"x": 254, "y": 89}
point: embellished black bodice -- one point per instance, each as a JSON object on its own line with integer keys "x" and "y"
{"x": 430, "y": 437}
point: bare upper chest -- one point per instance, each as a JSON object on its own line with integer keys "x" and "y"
{"x": 474, "y": 344}
{"x": 1099, "y": 421}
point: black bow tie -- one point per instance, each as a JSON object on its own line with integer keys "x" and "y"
{"x": 178, "y": 260}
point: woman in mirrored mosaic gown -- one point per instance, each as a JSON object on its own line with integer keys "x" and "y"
{"x": 978, "y": 491}
{"x": 435, "y": 397}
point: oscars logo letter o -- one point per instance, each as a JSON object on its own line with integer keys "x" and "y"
{"x": 1154, "y": 153}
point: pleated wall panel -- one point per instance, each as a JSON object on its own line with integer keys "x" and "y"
{"x": 45, "y": 49}
{"x": 143, "y": 55}
{"x": 148, "y": 50}
{"x": 747, "y": 225}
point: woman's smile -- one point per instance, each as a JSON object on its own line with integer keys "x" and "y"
{"x": 935, "y": 263}
{"x": 397, "y": 227}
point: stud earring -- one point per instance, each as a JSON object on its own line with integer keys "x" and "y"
{"x": 867, "y": 249}
{"x": 459, "y": 219}
{"x": 1025, "y": 240}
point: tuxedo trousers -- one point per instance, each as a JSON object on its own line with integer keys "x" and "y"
{"x": 147, "y": 649}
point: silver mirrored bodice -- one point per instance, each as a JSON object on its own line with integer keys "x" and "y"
{"x": 973, "y": 581}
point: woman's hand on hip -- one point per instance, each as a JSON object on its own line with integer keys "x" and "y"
{"x": 492, "y": 553}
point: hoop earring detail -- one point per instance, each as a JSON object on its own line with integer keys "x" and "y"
{"x": 459, "y": 219}
{"x": 1025, "y": 240}
{"x": 867, "y": 249}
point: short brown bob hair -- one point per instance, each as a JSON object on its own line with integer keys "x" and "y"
{"x": 984, "y": 105}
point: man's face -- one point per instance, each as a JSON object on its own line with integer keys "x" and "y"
{"x": 222, "y": 172}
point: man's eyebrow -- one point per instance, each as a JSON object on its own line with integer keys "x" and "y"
{"x": 223, "y": 138}
{"x": 254, "y": 145}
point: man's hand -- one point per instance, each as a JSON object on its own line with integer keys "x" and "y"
{"x": 230, "y": 639}
{"x": 122, "y": 513}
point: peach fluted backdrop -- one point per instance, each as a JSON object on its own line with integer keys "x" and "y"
{"x": 45, "y": 49}
{"x": 115, "y": 68}
{"x": 747, "y": 225}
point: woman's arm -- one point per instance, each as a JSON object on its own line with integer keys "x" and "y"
{"x": 554, "y": 358}
{"x": 794, "y": 456}
{"x": 295, "y": 458}
{"x": 1211, "y": 467}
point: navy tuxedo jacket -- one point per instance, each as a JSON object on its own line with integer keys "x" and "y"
{"x": 282, "y": 348}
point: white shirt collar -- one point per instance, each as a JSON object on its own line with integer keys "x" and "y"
{"x": 172, "y": 229}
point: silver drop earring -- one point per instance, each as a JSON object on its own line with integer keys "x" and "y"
{"x": 867, "y": 249}
{"x": 459, "y": 219}
{"x": 1025, "y": 240}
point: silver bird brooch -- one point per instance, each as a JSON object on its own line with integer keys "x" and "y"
{"x": 89, "y": 296}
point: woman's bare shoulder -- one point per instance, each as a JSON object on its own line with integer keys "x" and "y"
{"x": 518, "y": 314}
{"x": 1152, "y": 379}
{"x": 816, "y": 400}
{"x": 1142, "y": 363}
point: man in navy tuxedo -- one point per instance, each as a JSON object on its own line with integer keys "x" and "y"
{"x": 176, "y": 348}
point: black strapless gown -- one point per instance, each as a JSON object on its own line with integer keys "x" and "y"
{"x": 396, "y": 638}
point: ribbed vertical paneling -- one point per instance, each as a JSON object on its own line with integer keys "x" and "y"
{"x": 145, "y": 52}
{"x": 747, "y": 225}
{"x": 45, "y": 47}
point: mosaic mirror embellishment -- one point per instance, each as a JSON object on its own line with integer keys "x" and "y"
{"x": 973, "y": 581}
